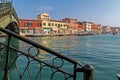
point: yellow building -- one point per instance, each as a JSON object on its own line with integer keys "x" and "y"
{"x": 52, "y": 26}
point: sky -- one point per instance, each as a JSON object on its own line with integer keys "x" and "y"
{"x": 104, "y": 12}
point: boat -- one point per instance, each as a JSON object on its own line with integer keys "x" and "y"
{"x": 114, "y": 33}
{"x": 35, "y": 35}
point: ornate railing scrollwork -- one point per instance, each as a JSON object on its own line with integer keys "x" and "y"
{"x": 36, "y": 62}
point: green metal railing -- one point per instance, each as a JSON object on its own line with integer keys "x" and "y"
{"x": 23, "y": 59}
{"x": 37, "y": 62}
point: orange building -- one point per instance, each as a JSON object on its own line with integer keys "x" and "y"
{"x": 72, "y": 25}
{"x": 81, "y": 27}
{"x": 89, "y": 27}
{"x": 84, "y": 26}
{"x": 95, "y": 28}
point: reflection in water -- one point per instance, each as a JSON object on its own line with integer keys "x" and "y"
{"x": 57, "y": 43}
{"x": 61, "y": 44}
{"x": 44, "y": 55}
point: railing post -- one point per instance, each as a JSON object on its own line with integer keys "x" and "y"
{"x": 6, "y": 70}
{"x": 75, "y": 67}
{"x": 88, "y": 72}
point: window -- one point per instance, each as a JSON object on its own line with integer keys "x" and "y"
{"x": 39, "y": 24}
{"x": 49, "y": 24}
{"x": 61, "y": 25}
{"x": 52, "y": 24}
{"x": 44, "y": 24}
{"x": 46, "y": 18}
{"x": 58, "y": 25}
{"x": 55, "y": 24}
{"x": 28, "y": 24}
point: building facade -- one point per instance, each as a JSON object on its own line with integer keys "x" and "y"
{"x": 72, "y": 25}
{"x": 81, "y": 27}
{"x": 44, "y": 25}
{"x": 30, "y": 27}
{"x": 52, "y": 26}
{"x": 45, "y": 21}
{"x": 96, "y": 28}
{"x": 88, "y": 27}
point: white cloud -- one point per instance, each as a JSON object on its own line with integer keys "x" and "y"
{"x": 45, "y": 8}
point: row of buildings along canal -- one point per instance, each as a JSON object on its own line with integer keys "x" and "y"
{"x": 67, "y": 26}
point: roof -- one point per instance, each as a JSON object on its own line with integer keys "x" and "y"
{"x": 29, "y": 20}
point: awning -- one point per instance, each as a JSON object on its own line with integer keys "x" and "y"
{"x": 47, "y": 28}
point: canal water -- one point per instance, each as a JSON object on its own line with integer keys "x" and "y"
{"x": 101, "y": 51}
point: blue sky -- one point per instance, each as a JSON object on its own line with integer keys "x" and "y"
{"x": 105, "y": 12}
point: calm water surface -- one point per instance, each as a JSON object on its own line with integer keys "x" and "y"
{"x": 101, "y": 51}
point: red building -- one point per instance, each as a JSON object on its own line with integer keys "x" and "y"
{"x": 95, "y": 28}
{"x": 30, "y": 27}
{"x": 81, "y": 26}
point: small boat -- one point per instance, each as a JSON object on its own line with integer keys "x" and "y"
{"x": 114, "y": 33}
{"x": 35, "y": 35}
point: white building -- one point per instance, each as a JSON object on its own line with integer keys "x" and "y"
{"x": 88, "y": 27}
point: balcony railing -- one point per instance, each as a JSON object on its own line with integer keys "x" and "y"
{"x": 24, "y": 59}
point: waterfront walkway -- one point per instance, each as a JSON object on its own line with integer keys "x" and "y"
{"x": 44, "y": 35}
